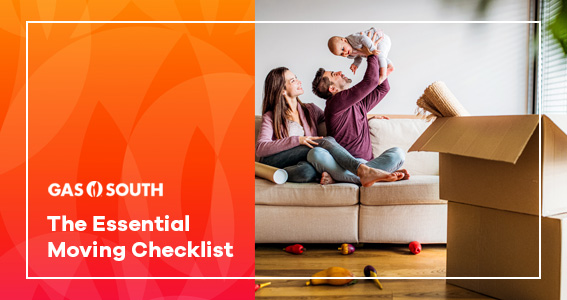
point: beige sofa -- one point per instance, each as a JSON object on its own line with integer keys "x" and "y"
{"x": 394, "y": 212}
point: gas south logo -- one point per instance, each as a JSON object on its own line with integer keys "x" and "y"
{"x": 96, "y": 189}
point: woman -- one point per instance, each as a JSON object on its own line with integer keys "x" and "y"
{"x": 289, "y": 132}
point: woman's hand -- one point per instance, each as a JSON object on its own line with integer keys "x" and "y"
{"x": 309, "y": 140}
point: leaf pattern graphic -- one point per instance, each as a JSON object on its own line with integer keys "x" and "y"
{"x": 127, "y": 103}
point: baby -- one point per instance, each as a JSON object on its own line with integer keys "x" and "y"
{"x": 351, "y": 45}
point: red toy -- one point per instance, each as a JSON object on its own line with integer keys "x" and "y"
{"x": 259, "y": 286}
{"x": 295, "y": 249}
{"x": 415, "y": 247}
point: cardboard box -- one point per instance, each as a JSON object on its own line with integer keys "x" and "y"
{"x": 493, "y": 161}
{"x": 487, "y": 161}
{"x": 553, "y": 282}
{"x": 554, "y": 164}
{"x": 486, "y": 242}
{"x": 489, "y": 172}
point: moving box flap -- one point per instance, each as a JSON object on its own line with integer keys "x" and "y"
{"x": 500, "y": 138}
{"x": 554, "y": 165}
{"x": 559, "y": 121}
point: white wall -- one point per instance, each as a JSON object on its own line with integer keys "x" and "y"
{"x": 391, "y": 10}
{"x": 484, "y": 65}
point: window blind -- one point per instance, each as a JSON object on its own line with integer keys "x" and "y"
{"x": 554, "y": 63}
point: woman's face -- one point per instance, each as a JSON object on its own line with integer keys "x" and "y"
{"x": 292, "y": 85}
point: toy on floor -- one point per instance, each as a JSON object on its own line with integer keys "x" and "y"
{"x": 346, "y": 249}
{"x": 332, "y": 272}
{"x": 369, "y": 271}
{"x": 295, "y": 249}
{"x": 415, "y": 247}
{"x": 259, "y": 286}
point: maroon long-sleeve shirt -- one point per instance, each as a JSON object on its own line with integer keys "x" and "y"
{"x": 345, "y": 112}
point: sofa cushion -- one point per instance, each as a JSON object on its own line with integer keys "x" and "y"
{"x": 305, "y": 194}
{"x": 385, "y": 134}
{"x": 403, "y": 224}
{"x": 296, "y": 224}
{"x": 419, "y": 189}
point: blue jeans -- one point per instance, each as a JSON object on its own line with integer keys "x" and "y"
{"x": 295, "y": 160}
{"x": 323, "y": 161}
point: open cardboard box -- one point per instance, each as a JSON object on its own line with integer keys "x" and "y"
{"x": 554, "y": 165}
{"x": 493, "y": 161}
{"x": 489, "y": 172}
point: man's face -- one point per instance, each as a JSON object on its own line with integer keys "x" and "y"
{"x": 340, "y": 81}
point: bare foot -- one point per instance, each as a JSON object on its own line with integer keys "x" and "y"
{"x": 405, "y": 172}
{"x": 389, "y": 70}
{"x": 326, "y": 179}
{"x": 368, "y": 176}
{"x": 399, "y": 175}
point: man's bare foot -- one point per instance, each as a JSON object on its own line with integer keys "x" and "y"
{"x": 389, "y": 70}
{"x": 405, "y": 172}
{"x": 326, "y": 179}
{"x": 368, "y": 176}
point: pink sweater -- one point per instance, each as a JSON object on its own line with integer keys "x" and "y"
{"x": 267, "y": 143}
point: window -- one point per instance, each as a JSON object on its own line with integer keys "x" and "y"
{"x": 554, "y": 63}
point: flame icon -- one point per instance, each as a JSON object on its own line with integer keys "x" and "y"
{"x": 94, "y": 189}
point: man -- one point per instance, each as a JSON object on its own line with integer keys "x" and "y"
{"x": 346, "y": 110}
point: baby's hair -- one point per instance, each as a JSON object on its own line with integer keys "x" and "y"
{"x": 332, "y": 41}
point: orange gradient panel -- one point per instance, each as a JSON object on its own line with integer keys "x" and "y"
{"x": 101, "y": 97}
{"x": 142, "y": 103}
{"x": 131, "y": 103}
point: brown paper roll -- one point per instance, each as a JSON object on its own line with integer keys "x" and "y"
{"x": 438, "y": 101}
{"x": 270, "y": 173}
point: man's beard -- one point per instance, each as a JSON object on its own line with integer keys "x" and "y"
{"x": 346, "y": 83}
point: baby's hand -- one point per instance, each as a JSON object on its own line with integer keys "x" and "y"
{"x": 376, "y": 52}
{"x": 353, "y": 68}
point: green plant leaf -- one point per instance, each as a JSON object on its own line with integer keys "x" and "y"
{"x": 558, "y": 27}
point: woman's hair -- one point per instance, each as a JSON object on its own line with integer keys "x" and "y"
{"x": 275, "y": 102}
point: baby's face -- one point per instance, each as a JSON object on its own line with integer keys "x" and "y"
{"x": 341, "y": 47}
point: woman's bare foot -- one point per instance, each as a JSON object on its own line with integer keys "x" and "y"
{"x": 405, "y": 172}
{"x": 368, "y": 176}
{"x": 326, "y": 179}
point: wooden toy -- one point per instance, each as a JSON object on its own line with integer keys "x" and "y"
{"x": 370, "y": 271}
{"x": 332, "y": 272}
{"x": 346, "y": 249}
{"x": 415, "y": 247}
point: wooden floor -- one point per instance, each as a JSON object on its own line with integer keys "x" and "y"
{"x": 389, "y": 261}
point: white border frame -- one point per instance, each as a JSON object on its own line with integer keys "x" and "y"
{"x": 538, "y": 95}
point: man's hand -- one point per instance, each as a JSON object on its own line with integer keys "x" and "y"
{"x": 367, "y": 51}
{"x": 373, "y": 37}
{"x": 378, "y": 118}
{"x": 353, "y": 68}
{"x": 309, "y": 140}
